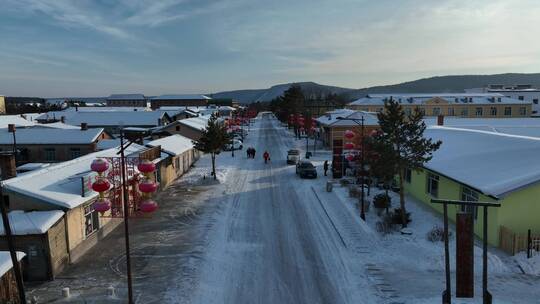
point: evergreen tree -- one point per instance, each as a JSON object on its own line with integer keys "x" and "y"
{"x": 401, "y": 140}
{"x": 212, "y": 141}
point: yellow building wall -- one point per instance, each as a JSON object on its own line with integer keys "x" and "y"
{"x": 2, "y": 105}
{"x": 457, "y": 109}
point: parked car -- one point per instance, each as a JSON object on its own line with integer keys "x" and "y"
{"x": 293, "y": 156}
{"x": 306, "y": 169}
{"x": 237, "y": 144}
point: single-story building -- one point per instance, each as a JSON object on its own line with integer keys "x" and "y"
{"x": 8, "y": 285}
{"x": 332, "y": 128}
{"x": 66, "y": 187}
{"x": 41, "y": 235}
{"x": 42, "y": 144}
{"x": 475, "y": 165}
{"x": 111, "y": 121}
{"x": 182, "y": 156}
{"x": 191, "y": 128}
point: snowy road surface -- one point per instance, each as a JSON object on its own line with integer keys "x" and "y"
{"x": 273, "y": 241}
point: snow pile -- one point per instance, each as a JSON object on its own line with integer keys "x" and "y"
{"x": 529, "y": 266}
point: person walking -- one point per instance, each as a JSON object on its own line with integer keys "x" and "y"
{"x": 325, "y": 167}
{"x": 266, "y": 156}
{"x": 253, "y": 152}
{"x": 248, "y": 152}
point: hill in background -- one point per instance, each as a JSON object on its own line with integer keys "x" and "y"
{"x": 438, "y": 84}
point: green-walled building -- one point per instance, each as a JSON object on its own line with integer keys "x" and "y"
{"x": 484, "y": 166}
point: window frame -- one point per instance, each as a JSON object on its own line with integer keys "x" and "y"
{"x": 493, "y": 111}
{"x": 469, "y": 195}
{"x": 431, "y": 180}
{"x": 507, "y": 111}
{"x": 48, "y": 154}
{"x": 478, "y": 111}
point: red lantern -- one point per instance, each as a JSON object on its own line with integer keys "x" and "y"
{"x": 148, "y": 206}
{"x": 146, "y": 166}
{"x": 349, "y": 146}
{"x": 148, "y": 186}
{"x": 102, "y": 205}
{"x": 101, "y": 185}
{"x": 349, "y": 157}
{"x": 349, "y": 134}
{"x": 99, "y": 165}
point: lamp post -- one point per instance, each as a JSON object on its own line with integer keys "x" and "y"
{"x": 360, "y": 122}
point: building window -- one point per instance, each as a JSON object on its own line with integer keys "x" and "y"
{"x": 493, "y": 111}
{"x": 422, "y": 111}
{"x": 478, "y": 112}
{"x": 177, "y": 128}
{"x": 464, "y": 112}
{"x": 469, "y": 195}
{"x": 50, "y": 154}
{"x": 535, "y": 101}
{"x": 450, "y": 111}
{"x": 507, "y": 111}
{"x": 522, "y": 111}
{"x": 75, "y": 152}
{"x": 436, "y": 111}
{"x": 521, "y": 97}
{"x": 91, "y": 220}
{"x": 433, "y": 184}
{"x": 408, "y": 175}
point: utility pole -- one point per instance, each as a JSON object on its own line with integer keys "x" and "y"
{"x": 126, "y": 216}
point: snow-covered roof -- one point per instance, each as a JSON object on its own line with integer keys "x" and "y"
{"x": 5, "y": 261}
{"x": 105, "y": 144}
{"x": 33, "y": 222}
{"x": 525, "y": 126}
{"x": 492, "y": 163}
{"x": 56, "y": 125}
{"x": 106, "y": 109}
{"x": 17, "y": 120}
{"x": 32, "y": 166}
{"x": 181, "y": 97}
{"x": 198, "y": 123}
{"x": 454, "y": 98}
{"x": 107, "y": 118}
{"x": 126, "y": 97}
{"x": 332, "y": 118}
{"x": 60, "y": 184}
{"x": 40, "y": 136}
{"x": 174, "y": 144}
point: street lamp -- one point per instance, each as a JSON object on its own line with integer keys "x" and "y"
{"x": 360, "y": 122}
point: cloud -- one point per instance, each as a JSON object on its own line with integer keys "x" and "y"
{"x": 71, "y": 14}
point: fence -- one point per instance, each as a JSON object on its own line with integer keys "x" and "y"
{"x": 513, "y": 243}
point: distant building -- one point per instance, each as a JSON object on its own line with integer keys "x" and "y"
{"x": 485, "y": 105}
{"x": 126, "y": 100}
{"x": 186, "y": 100}
{"x": 2, "y": 104}
{"x": 523, "y": 92}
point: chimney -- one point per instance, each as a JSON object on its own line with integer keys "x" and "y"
{"x": 63, "y": 119}
{"x": 11, "y": 128}
{"x": 7, "y": 166}
{"x": 440, "y": 120}
{"x": 84, "y": 126}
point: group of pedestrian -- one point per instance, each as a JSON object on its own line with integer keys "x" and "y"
{"x": 251, "y": 152}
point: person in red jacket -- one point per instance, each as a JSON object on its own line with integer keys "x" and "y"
{"x": 266, "y": 156}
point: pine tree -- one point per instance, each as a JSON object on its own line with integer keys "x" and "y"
{"x": 213, "y": 139}
{"x": 402, "y": 140}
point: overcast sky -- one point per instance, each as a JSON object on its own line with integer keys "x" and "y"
{"x": 95, "y": 48}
